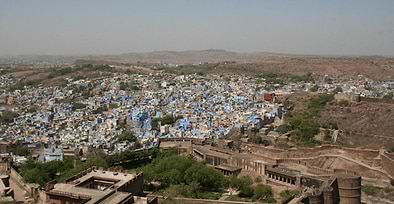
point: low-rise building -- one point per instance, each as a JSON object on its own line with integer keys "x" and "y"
{"x": 95, "y": 186}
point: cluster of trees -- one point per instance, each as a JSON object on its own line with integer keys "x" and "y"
{"x": 304, "y": 125}
{"x": 287, "y": 194}
{"x": 314, "y": 88}
{"x": 181, "y": 176}
{"x": 128, "y": 156}
{"x": 247, "y": 189}
{"x": 300, "y": 78}
{"x": 173, "y": 169}
{"x": 79, "y": 68}
{"x": 60, "y": 72}
{"x": 95, "y": 67}
{"x": 165, "y": 120}
{"x": 21, "y": 84}
{"x": 127, "y": 136}
{"x": 271, "y": 78}
{"x": 113, "y": 106}
{"x": 276, "y": 78}
{"x": 37, "y": 172}
{"x": 128, "y": 86}
{"x": 40, "y": 173}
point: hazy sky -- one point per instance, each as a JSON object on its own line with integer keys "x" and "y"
{"x": 349, "y": 27}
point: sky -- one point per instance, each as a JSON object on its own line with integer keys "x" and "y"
{"x": 74, "y": 27}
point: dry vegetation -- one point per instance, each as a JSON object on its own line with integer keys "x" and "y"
{"x": 365, "y": 124}
{"x": 374, "y": 67}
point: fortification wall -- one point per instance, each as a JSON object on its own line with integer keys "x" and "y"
{"x": 31, "y": 189}
{"x": 366, "y": 162}
{"x": 377, "y": 100}
{"x": 319, "y": 171}
{"x": 360, "y": 154}
{"x": 347, "y": 97}
{"x": 387, "y": 164}
{"x": 357, "y": 169}
{"x": 363, "y": 154}
{"x": 19, "y": 180}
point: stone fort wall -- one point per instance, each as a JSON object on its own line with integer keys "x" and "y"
{"x": 377, "y": 165}
{"x": 387, "y": 164}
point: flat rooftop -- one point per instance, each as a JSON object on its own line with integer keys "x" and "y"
{"x": 117, "y": 197}
{"x": 173, "y": 144}
{"x": 207, "y": 150}
{"x": 121, "y": 178}
{"x": 82, "y": 187}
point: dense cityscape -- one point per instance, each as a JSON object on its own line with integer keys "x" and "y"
{"x": 196, "y": 102}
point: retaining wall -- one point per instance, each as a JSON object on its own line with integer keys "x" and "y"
{"x": 387, "y": 164}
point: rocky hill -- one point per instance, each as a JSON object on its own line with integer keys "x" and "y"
{"x": 374, "y": 67}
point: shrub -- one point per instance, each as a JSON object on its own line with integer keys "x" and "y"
{"x": 287, "y": 194}
{"x": 258, "y": 179}
{"x": 282, "y": 129}
{"x": 127, "y": 136}
{"x": 314, "y": 88}
{"x": 370, "y": 190}
{"x": 263, "y": 193}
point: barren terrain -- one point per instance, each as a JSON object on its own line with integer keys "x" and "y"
{"x": 374, "y": 67}
{"x": 366, "y": 124}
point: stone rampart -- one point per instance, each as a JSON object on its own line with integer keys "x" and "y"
{"x": 387, "y": 164}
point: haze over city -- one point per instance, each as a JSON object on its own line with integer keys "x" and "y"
{"x": 197, "y": 101}
{"x": 354, "y": 27}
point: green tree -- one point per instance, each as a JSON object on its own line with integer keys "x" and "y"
{"x": 258, "y": 179}
{"x": 122, "y": 86}
{"x": 370, "y": 190}
{"x": 287, "y": 194}
{"x": 35, "y": 175}
{"x": 209, "y": 178}
{"x": 245, "y": 186}
{"x": 113, "y": 106}
{"x": 127, "y": 136}
{"x": 314, "y": 88}
{"x": 282, "y": 129}
{"x": 263, "y": 193}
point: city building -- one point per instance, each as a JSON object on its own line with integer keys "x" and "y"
{"x": 94, "y": 186}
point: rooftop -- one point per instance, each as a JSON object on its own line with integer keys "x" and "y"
{"x": 96, "y": 186}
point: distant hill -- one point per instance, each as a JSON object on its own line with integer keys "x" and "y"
{"x": 374, "y": 67}
{"x": 194, "y": 56}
